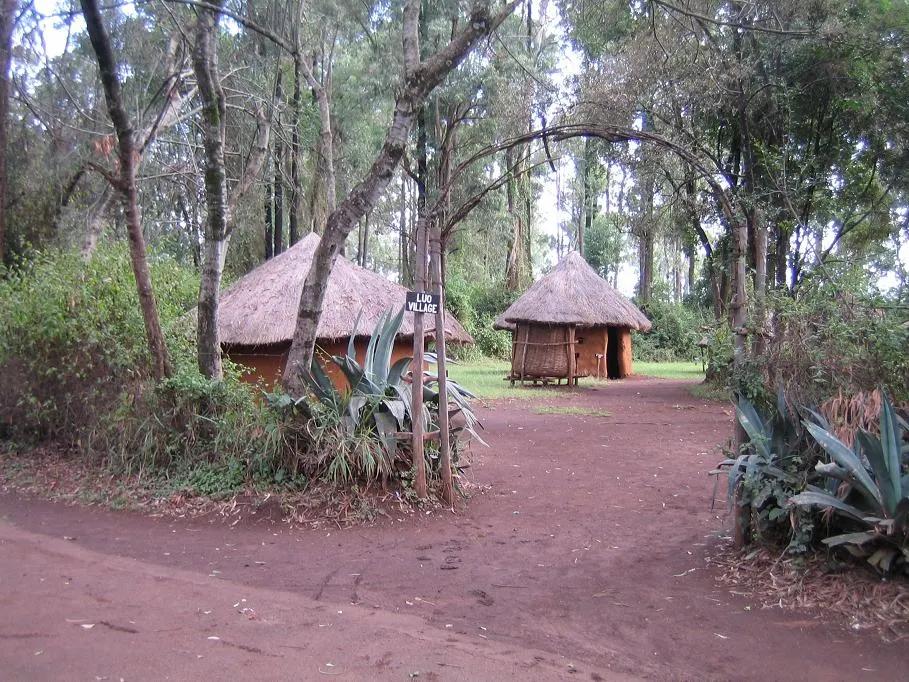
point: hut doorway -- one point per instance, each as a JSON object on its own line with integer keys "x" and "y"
{"x": 613, "y": 339}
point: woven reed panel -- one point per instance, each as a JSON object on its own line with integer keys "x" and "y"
{"x": 542, "y": 350}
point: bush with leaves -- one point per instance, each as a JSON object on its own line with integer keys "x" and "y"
{"x": 676, "y": 330}
{"x": 477, "y": 307}
{"x": 72, "y": 337}
{"x": 773, "y": 465}
{"x": 356, "y": 432}
{"x": 189, "y": 426}
{"x": 825, "y": 341}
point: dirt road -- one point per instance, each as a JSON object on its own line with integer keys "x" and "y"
{"x": 582, "y": 558}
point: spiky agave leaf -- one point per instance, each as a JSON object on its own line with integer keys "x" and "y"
{"x": 371, "y": 346}
{"x": 848, "y": 460}
{"x": 811, "y": 498}
{"x": 387, "y": 331}
{"x": 397, "y": 370}
{"x": 891, "y": 444}
{"x": 851, "y": 538}
{"x": 873, "y": 450}
{"x": 753, "y": 424}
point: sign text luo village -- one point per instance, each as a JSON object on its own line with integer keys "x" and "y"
{"x": 422, "y": 302}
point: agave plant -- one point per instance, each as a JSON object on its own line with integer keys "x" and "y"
{"x": 870, "y": 486}
{"x": 767, "y": 472}
{"x": 773, "y": 444}
{"x": 379, "y": 399}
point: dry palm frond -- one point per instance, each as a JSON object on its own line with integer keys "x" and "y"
{"x": 848, "y": 414}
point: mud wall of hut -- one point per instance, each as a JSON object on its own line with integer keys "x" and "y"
{"x": 543, "y": 351}
{"x": 267, "y": 362}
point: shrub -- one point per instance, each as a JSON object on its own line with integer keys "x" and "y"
{"x": 773, "y": 465}
{"x": 824, "y": 343}
{"x": 477, "y": 307}
{"x": 828, "y": 342}
{"x": 674, "y": 336}
{"x": 355, "y": 433}
{"x": 72, "y": 337}
{"x": 866, "y": 489}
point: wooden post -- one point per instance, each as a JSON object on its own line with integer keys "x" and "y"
{"x": 572, "y": 369}
{"x": 416, "y": 405}
{"x": 435, "y": 267}
{"x": 524, "y": 349}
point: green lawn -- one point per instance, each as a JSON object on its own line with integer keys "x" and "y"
{"x": 486, "y": 378}
{"x": 669, "y": 370}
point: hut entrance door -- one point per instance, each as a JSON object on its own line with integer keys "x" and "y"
{"x": 613, "y": 340}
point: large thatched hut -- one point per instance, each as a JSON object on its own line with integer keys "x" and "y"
{"x": 570, "y": 324}
{"x": 258, "y": 313}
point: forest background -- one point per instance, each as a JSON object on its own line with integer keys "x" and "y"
{"x": 746, "y": 161}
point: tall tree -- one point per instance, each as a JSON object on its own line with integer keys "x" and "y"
{"x": 125, "y": 183}
{"x": 214, "y": 112}
{"x": 219, "y": 206}
{"x": 419, "y": 79}
{"x": 7, "y": 21}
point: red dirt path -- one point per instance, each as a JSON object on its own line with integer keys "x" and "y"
{"x": 584, "y": 558}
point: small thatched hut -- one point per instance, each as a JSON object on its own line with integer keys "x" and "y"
{"x": 258, "y": 313}
{"x": 570, "y": 324}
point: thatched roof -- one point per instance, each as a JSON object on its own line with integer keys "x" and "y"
{"x": 261, "y": 307}
{"x": 573, "y": 294}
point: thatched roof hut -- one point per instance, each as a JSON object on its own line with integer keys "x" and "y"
{"x": 258, "y": 313}
{"x": 571, "y": 323}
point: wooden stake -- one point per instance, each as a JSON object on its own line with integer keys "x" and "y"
{"x": 572, "y": 370}
{"x": 435, "y": 267}
{"x": 416, "y": 406}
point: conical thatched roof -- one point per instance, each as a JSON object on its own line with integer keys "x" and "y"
{"x": 261, "y": 307}
{"x": 573, "y": 294}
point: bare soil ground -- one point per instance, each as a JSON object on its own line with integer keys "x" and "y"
{"x": 584, "y": 553}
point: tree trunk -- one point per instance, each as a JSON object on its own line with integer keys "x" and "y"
{"x": 321, "y": 92}
{"x": 278, "y": 231}
{"x": 7, "y": 20}
{"x": 205, "y": 66}
{"x": 513, "y": 258}
{"x": 170, "y": 114}
{"x": 269, "y": 221}
{"x": 420, "y": 78}
{"x": 759, "y": 245}
{"x": 588, "y": 205}
{"x": 363, "y": 242}
{"x": 295, "y": 189}
{"x": 645, "y": 258}
{"x": 126, "y": 185}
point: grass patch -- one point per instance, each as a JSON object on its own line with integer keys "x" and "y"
{"x": 670, "y": 370}
{"x": 708, "y": 392}
{"x": 572, "y": 410}
{"x": 486, "y": 379}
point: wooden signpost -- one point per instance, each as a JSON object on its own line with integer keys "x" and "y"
{"x": 422, "y": 302}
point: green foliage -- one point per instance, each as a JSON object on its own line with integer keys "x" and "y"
{"x": 870, "y": 488}
{"x": 827, "y": 340}
{"x": 769, "y": 470}
{"x": 72, "y": 338}
{"x": 477, "y": 307}
{"x": 356, "y": 431}
{"x": 209, "y": 437}
{"x": 674, "y": 336}
{"x": 833, "y": 340}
